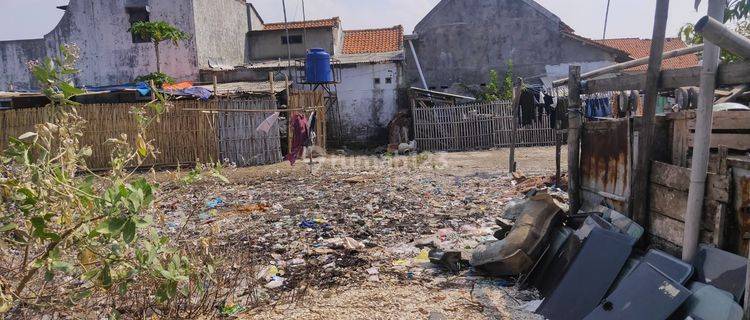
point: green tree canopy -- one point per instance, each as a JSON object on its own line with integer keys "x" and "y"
{"x": 158, "y": 32}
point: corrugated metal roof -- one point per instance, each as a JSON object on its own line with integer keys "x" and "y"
{"x": 376, "y": 57}
{"x": 245, "y": 87}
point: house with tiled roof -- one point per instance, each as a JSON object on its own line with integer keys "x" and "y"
{"x": 641, "y": 48}
{"x": 459, "y": 42}
{"x": 368, "y": 66}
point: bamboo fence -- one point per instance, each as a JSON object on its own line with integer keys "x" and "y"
{"x": 181, "y": 136}
{"x": 477, "y": 126}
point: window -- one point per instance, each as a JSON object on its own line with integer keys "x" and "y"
{"x": 389, "y": 80}
{"x": 292, "y": 40}
{"x": 137, "y": 15}
{"x": 377, "y": 80}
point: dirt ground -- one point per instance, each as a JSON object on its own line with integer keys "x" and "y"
{"x": 347, "y": 237}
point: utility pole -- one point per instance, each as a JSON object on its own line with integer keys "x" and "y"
{"x": 606, "y": 20}
{"x": 639, "y": 203}
{"x": 304, "y": 27}
{"x": 288, "y": 44}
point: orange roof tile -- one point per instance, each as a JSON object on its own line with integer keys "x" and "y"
{"x": 309, "y": 24}
{"x": 640, "y": 48}
{"x": 373, "y": 40}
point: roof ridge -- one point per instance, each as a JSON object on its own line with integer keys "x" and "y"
{"x": 376, "y": 29}
{"x": 306, "y": 21}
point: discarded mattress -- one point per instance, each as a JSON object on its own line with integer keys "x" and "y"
{"x": 589, "y": 277}
{"x": 645, "y": 294}
{"x": 524, "y": 244}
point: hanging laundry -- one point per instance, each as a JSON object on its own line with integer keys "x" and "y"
{"x": 311, "y": 127}
{"x": 300, "y": 131}
{"x": 616, "y": 105}
{"x": 267, "y": 124}
{"x": 528, "y": 103}
{"x": 548, "y": 109}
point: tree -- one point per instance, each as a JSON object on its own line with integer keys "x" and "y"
{"x": 495, "y": 90}
{"x": 158, "y": 32}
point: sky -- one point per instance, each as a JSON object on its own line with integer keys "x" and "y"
{"x": 28, "y": 19}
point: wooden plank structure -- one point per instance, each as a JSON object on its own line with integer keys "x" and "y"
{"x": 182, "y": 136}
{"x": 668, "y": 204}
{"x": 475, "y": 127}
{"x": 668, "y": 183}
{"x": 730, "y": 129}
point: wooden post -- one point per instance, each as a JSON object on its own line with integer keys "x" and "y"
{"x": 702, "y": 140}
{"x": 270, "y": 82}
{"x": 514, "y": 131}
{"x": 290, "y": 133}
{"x": 216, "y": 87}
{"x": 639, "y": 203}
{"x": 574, "y": 138}
{"x": 558, "y": 150}
{"x": 153, "y": 89}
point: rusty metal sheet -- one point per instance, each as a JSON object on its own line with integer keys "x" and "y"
{"x": 605, "y": 153}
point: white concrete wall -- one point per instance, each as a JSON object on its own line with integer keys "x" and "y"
{"x": 13, "y": 58}
{"x": 367, "y": 108}
{"x": 221, "y": 31}
{"x": 108, "y": 54}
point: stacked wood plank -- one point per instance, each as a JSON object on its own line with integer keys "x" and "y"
{"x": 731, "y": 129}
{"x": 668, "y": 204}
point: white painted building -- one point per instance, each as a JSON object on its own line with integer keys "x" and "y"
{"x": 368, "y": 63}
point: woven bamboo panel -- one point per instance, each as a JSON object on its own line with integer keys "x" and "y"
{"x": 475, "y": 127}
{"x": 181, "y": 137}
{"x": 239, "y": 141}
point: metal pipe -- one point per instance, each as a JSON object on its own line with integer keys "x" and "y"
{"x": 632, "y": 63}
{"x": 419, "y": 66}
{"x": 702, "y": 140}
{"x": 717, "y": 33}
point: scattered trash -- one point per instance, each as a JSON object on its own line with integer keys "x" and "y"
{"x": 646, "y": 293}
{"x": 450, "y": 260}
{"x": 214, "y": 203}
{"x": 516, "y": 253}
{"x": 351, "y": 244}
{"x": 589, "y": 276}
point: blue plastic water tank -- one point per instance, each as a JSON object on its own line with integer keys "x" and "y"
{"x": 318, "y": 66}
